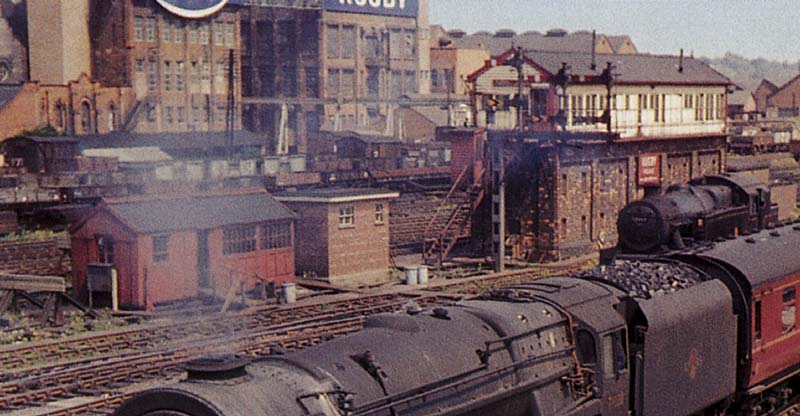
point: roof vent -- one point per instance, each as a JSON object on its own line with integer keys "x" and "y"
{"x": 556, "y": 33}
{"x": 505, "y": 33}
{"x": 217, "y": 367}
{"x": 456, "y": 34}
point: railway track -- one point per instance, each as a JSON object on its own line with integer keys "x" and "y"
{"x": 99, "y": 364}
{"x": 150, "y": 336}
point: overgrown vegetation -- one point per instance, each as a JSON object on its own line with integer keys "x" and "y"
{"x": 45, "y": 130}
{"x": 38, "y": 235}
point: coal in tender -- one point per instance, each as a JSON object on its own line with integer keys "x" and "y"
{"x": 646, "y": 279}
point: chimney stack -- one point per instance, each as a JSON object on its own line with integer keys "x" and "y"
{"x": 593, "y": 66}
{"x": 680, "y": 62}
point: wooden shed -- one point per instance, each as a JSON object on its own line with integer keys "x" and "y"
{"x": 164, "y": 249}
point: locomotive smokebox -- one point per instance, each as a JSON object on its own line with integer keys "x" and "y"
{"x": 641, "y": 227}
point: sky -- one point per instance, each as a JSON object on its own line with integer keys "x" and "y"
{"x": 754, "y": 29}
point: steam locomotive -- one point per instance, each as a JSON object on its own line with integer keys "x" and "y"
{"x": 706, "y": 329}
{"x": 706, "y": 209}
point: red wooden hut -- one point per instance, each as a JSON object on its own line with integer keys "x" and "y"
{"x": 163, "y": 249}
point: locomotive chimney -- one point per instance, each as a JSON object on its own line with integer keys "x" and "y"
{"x": 217, "y": 367}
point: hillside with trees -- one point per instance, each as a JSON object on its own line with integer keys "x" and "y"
{"x": 748, "y": 73}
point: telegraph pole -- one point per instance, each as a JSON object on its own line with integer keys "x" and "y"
{"x": 498, "y": 168}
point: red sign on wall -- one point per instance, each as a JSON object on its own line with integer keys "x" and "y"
{"x": 650, "y": 169}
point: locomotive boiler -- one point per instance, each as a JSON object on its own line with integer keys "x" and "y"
{"x": 706, "y": 209}
{"x": 710, "y": 329}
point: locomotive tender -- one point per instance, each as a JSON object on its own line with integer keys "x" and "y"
{"x": 705, "y": 331}
{"x": 666, "y": 329}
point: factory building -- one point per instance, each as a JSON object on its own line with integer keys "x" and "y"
{"x": 328, "y": 65}
{"x": 178, "y": 66}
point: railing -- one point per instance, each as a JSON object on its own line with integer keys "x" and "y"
{"x": 455, "y": 227}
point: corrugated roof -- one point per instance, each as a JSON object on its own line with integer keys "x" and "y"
{"x": 639, "y": 68}
{"x": 131, "y": 154}
{"x": 572, "y": 42}
{"x": 189, "y": 140}
{"x": 435, "y": 114}
{"x": 198, "y": 212}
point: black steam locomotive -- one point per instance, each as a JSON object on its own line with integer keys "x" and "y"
{"x": 709, "y": 329}
{"x": 706, "y": 209}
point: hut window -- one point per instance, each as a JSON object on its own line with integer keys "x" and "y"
{"x": 347, "y": 216}
{"x": 105, "y": 249}
{"x": 276, "y": 235}
{"x": 239, "y": 239}
{"x": 160, "y": 248}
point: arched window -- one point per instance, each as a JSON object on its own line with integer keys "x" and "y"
{"x": 86, "y": 117}
{"x": 60, "y": 115}
{"x": 112, "y": 117}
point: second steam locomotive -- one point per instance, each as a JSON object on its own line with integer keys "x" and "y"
{"x": 708, "y": 329}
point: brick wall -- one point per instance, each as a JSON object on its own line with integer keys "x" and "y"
{"x": 563, "y": 202}
{"x": 361, "y": 249}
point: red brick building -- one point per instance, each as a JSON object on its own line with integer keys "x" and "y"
{"x": 165, "y": 249}
{"x": 343, "y": 233}
{"x": 762, "y": 93}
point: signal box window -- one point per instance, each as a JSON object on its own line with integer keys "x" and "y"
{"x": 347, "y": 216}
{"x": 789, "y": 310}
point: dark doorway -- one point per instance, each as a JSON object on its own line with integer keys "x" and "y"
{"x": 204, "y": 277}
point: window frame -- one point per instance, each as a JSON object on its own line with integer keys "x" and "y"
{"x": 160, "y": 248}
{"x": 275, "y": 235}
{"x": 379, "y": 217}
{"x": 788, "y": 303}
{"x": 239, "y": 239}
{"x": 347, "y": 216}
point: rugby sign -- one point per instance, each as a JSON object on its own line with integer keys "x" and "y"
{"x": 193, "y": 9}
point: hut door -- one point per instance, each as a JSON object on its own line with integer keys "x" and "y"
{"x": 204, "y": 277}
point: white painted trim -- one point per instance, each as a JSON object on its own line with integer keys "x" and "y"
{"x": 336, "y": 199}
{"x": 192, "y": 14}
